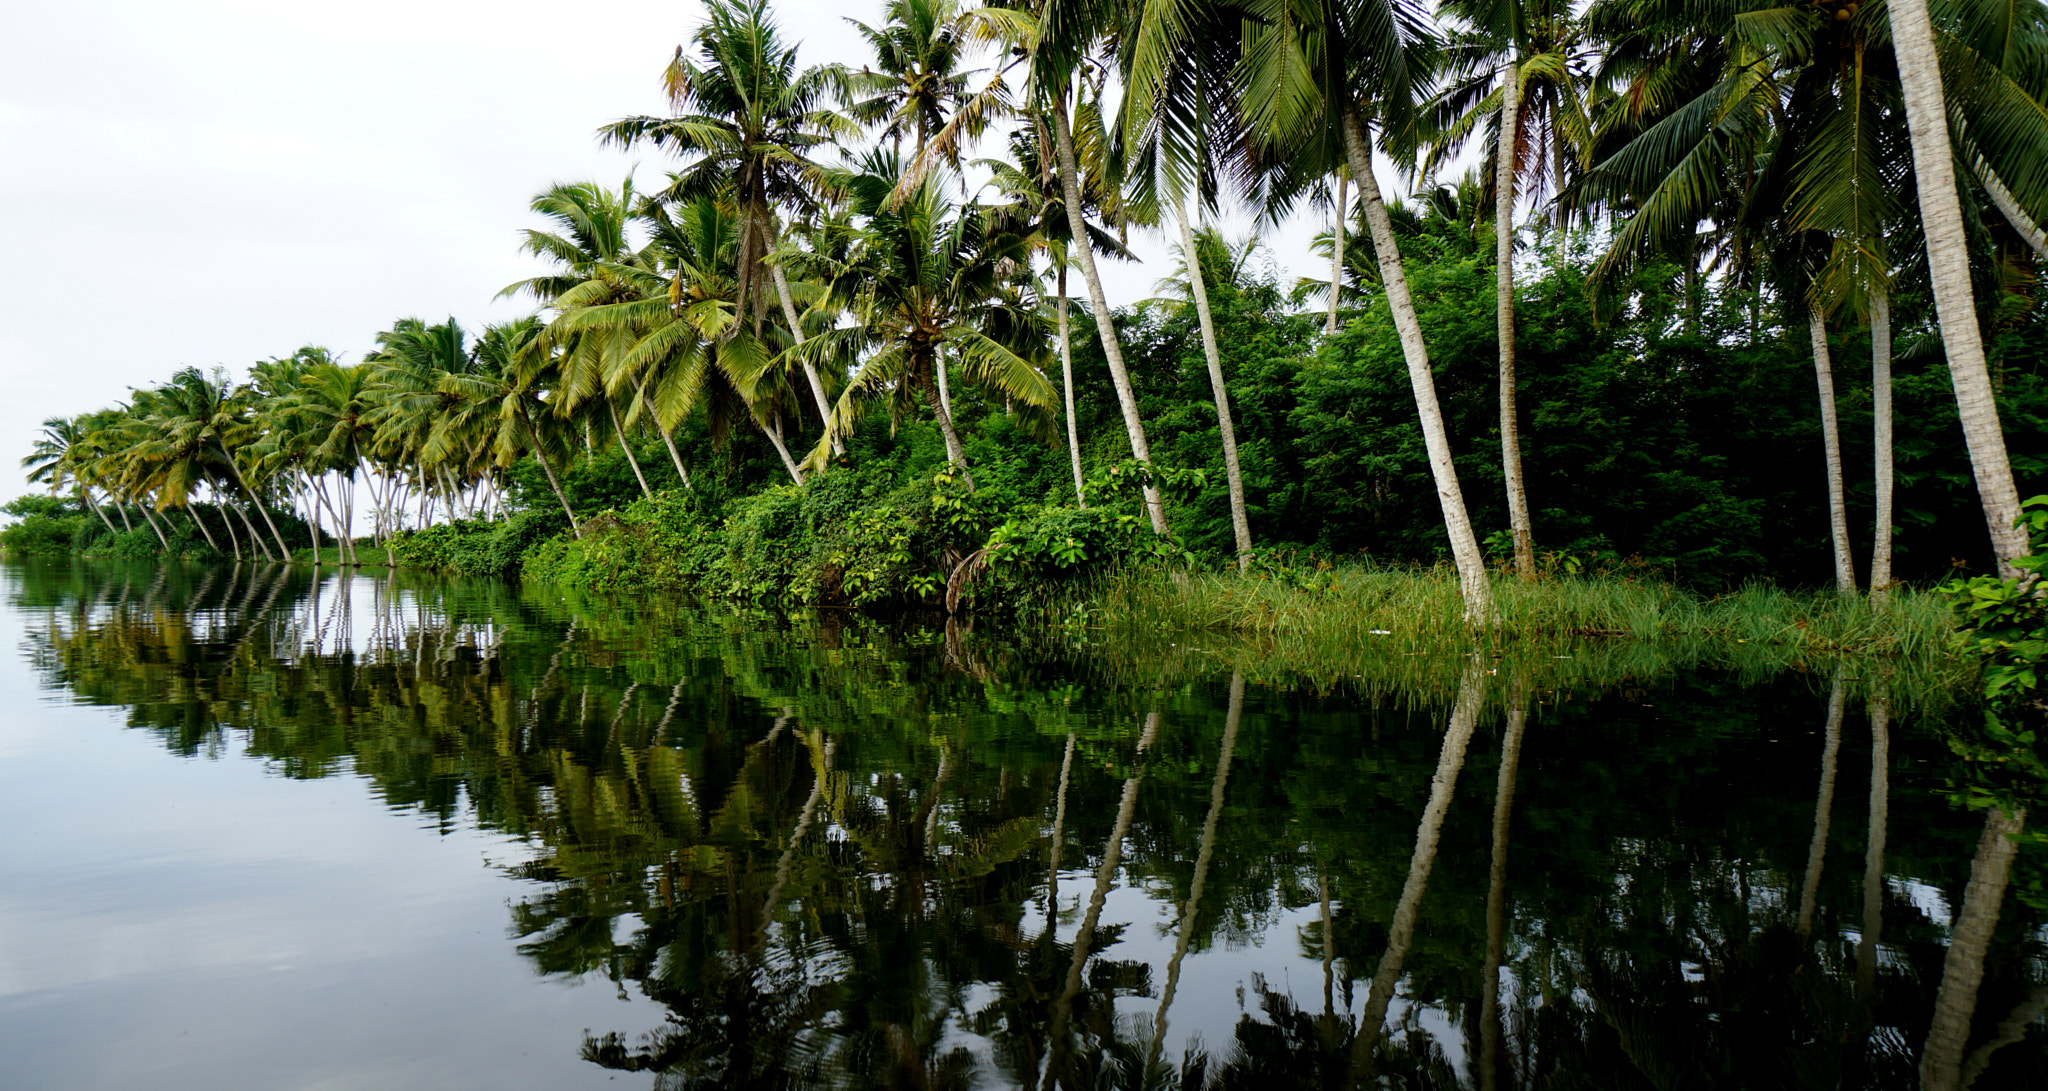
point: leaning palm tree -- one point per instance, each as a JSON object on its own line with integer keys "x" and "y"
{"x": 748, "y": 121}
{"x": 54, "y": 459}
{"x": 1312, "y": 77}
{"x": 199, "y": 422}
{"x": 937, "y": 280}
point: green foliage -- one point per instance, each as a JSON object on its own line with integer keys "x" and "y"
{"x": 44, "y": 526}
{"x": 478, "y": 547}
{"x": 2004, "y": 627}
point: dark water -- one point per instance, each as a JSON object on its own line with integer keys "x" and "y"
{"x": 264, "y": 831}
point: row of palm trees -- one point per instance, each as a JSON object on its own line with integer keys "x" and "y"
{"x": 791, "y": 294}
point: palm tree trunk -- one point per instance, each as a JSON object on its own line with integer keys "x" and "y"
{"x": 1401, "y": 930}
{"x": 85, "y": 494}
{"x": 1962, "y": 971}
{"x": 121, "y": 509}
{"x": 1881, "y": 427}
{"x": 282, "y": 552}
{"x": 1457, "y": 523}
{"x": 1105, "y": 329}
{"x": 1831, "y": 444}
{"x": 620, "y": 430}
{"x": 774, "y": 434}
{"x": 1067, "y": 388}
{"x": 1506, "y": 158}
{"x": 935, "y": 390}
{"x": 151, "y": 520}
{"x": 193, "y": 514}
{"x": 1337, "y": 255}
{"x": 667, "y": 438}
{"x": 1948, "y": 260}
{"x": 234, "y": 540}
{"x": 1557, "y": 175}
{"x": 1240, "y": 524}
{"x": 255, "y": 536}
{"x": 796, "y": 333}
{"x": 1823, "y": 807}
{"x": 548, "y": 468}
{"x": 2009, "y": 207}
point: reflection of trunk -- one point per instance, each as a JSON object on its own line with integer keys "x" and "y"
{"x": 2009, "y": 1030}
{"x": 1881, "y": 429}
{"x": 1873, "y": 854}
{"x": 1105, "y": 328}
{"x": 1496, "y": 897}
{"x": 1831, "y": 448}
{"x": 1240, "y": 526}
{"x": 1067, "y": 388}
{"x": 1112, "y": 858}
{"x": 1401, "y": 933}
{"x": 1506, "y": 157}
{"x": 796, "y": 836}
{"x": 1941, "y": 1061}
{"x": 1394, "y": 281}
{"x": 1186, "y": 927}
{"x": 1823, "y": 808}
{"x": 1059, "y": 834}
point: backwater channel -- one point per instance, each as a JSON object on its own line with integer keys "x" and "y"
{"x": 272, "y": 828}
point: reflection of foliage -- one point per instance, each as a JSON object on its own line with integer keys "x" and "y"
{"x": 658, "y": 760}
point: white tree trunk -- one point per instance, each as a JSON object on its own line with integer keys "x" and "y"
{"x": 1831, "y": 445}
{"x": 1240, "y": 524}
{"x": 1457, "y": 524}
{"x": 796, "y": 331}
{"x": 1948, "y": 260}
{"x": 1337, "y": 255}
{"x": 619, "y": 429}
{"x": 2009, "y": 206}
{"x": 1070, "y": 187}
{"x": 1881, "y": 427}
{"x": 1505, "y": 157}
{"x": 1067, "y": 390}
{"x": 774, "y": 434}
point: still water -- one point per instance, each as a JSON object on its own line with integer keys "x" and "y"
{"x": 268, "y": 830}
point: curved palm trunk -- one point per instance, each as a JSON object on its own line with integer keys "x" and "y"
{"x": 1105, "y": 329}
{"x": 2009, "y": 207}
{"x": 282, "y": 552}
{"x": 1401, "y": 931}
{"x": 1240, "y": 525}
{"x": 619, "y": 429}
{"x": 85, "y": 494}
{"x": 1457, "y": 523}
{"x": 1505, "y": 158}
{"x": 554, "y": 483}
{"x": 1948, "y": 260}
{"x": 1337, "y": 256}
{"x": 193, "y": 515}
{"x": 1204, "y": 853}
{"x": 234, "y": 540}
{"x": 255, "y": 536}
{"x": 1831, "y": 445}
{"x": 668, "y": 439}
{"x": 1962, "y": 971}
{"x": 774, "y": 434}
{"x": 935, "y": 391}
{"x": 796, "y": 332}
{"x": 151, "y": 520}
{"x": 1067, "y": 389}
{"x": 1881, "y": 428}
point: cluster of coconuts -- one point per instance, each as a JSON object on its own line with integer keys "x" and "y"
{"x": 1843, "y": 12}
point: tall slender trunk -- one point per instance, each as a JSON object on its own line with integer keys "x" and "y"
{"x": 234, "y": 540}
{"x": 554, "y": 482}
{"x": 1881, "y": 428}
{"x": 121, "y": 509}
{"x": 1557, "y": 177}
{"x": 1823, "y": 807}
{"x": 255, "y": 536}
{"x": 1962, "y": 971}
{"x": 1506, "y": 155}
{"x": 796, "y": 333}
{"x": 85, "y": 494}
{"x": 151, "y": 520}
{"x": 1880, "y": 707}
{"x": 282, "y": 552}
{"x": 1401, "y": 930}
{"x": 1497, "y": 894}
{"x": 1240, "y": 524}
{"x": 1337, "y": 254}
{"x": 935, "y": 391}
{"x": 2009, "y": 206}
{"x": 619, "y": 429}
{"x": 1948, "y": 260}
{"x": 1457, "y": 523}
{"x": 1067, "y": 388}
{"x": 1831, "y": 444}
{"x": 668, "y": 438}
{"x": 774, "y": 434}
{"x": 1105, "y": 329}
{"x": 193, "y": 514}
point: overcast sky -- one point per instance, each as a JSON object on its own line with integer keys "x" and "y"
{"x": 220, "y": 181}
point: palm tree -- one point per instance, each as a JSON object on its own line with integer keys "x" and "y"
{"x": 918, "y": 83}
{"x": 1310, "y": 77}
{"x": 196, "y": 417}
{"x": 55, "y": 458}
{"x": 936, "y": 280}
{"x": 749, "y": 119}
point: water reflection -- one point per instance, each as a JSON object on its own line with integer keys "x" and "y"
{"x": 851, "y": 854}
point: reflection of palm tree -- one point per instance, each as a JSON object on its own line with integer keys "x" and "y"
{"x": 1450, "y": 760}
{"x": 1962, "y": 972}
{"x": 1880, "y": 705}
{"x": 1496, "y": 892}
{"x": 1185, "y": 927}
{"x": 1823, "y": 807}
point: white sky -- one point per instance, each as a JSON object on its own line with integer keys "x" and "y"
{"x": 220, "y": 181}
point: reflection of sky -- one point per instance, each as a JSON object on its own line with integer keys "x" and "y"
{"x": 188, "y": 923}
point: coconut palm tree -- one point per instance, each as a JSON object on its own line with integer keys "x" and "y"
{"x": 748, "y": 120}
{"x": 936, "y": 280}
{"x": 1313, "y": 76}
{"x": 54, "y": 459}
{"x": 199, "y": 422}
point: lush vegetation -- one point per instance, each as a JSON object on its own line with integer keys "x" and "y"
{"x": 807, "y": 370}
